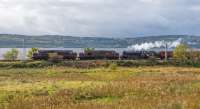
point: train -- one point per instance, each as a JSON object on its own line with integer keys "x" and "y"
{"x": 100, "y": 55}
{"x": 55, "y": 54}
{"x": 133, "y": 55}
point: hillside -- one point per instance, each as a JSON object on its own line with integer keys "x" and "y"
{"x": 53, "y": 41}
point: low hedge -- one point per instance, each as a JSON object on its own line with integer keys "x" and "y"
{"x": 21, "y": 64}
{"x": 93, "y": 64}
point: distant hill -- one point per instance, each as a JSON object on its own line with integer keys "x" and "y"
{"x": 53, "y": 41}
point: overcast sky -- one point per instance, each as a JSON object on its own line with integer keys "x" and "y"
{"x": 107, "y": 18}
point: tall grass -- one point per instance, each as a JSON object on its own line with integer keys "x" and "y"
{"x": 100, "y": 88}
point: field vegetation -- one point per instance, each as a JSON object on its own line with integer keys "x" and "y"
{"x": 102, "y": 84}
{"x": 106, "y": 87}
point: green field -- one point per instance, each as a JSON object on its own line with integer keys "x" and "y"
{"x": 100, "y": 88}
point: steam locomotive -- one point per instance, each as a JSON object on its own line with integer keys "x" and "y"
{"x": 133, "y": 55}
{"x": 99, "y": 55}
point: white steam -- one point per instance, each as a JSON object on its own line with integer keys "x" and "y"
{"x": 156, "y": 44}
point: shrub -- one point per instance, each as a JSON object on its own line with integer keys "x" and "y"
{"x": 37, "y": 64}
{"x": 11, "y": 55}
{"x": 31, "y": 52}
{"x": 51, "y": 72}
{"x": 89, "y": 49}
{"x": 113, "y": 66}
{"x": 24, "y": 64}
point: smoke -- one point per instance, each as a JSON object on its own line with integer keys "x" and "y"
{"x": 156, "y": 44}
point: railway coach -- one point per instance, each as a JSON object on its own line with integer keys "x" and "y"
{"x": 55, "y": 54}
{"x": 99, "y": 54}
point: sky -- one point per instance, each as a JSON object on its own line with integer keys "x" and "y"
{"x": 101, "y": 18}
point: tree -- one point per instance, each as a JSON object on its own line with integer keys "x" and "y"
{"x": 31, "y": 52}
{"x": 11, "y": 55}
{"x": 181, "y": 52}
{"x": 89, "y": 49}
{"x": 194, "y": 55}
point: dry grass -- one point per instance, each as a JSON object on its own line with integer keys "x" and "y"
{"x": 100, "y": 88}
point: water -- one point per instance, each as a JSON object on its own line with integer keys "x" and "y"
{"x": 24, "y": 51}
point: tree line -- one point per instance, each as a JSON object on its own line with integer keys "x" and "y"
{"x": 13, "y": 54}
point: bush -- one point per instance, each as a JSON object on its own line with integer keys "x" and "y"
{"x": 36, "y": 64}
{"x": 89, "y": 49}
{"x": 11, "y": 55}
{"x": 113, "y": 66}
{"x": 180, "y": 52}
{"x": 31, "y": 52}
{"x": 137, "y": 63}
{"x": 29, "y": 64}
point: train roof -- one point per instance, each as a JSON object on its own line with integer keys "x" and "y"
{"x": 137, "y": 51}
{"x": 101, "y": 51}
{"x": 68, "y": 51}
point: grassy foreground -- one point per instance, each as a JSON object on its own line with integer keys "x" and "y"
{"x": 100, "y": 88}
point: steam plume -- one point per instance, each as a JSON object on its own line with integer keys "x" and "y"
{"x": 156, "y": 44}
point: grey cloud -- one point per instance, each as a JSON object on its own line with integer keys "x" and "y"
{"x": 108, "y": 18}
